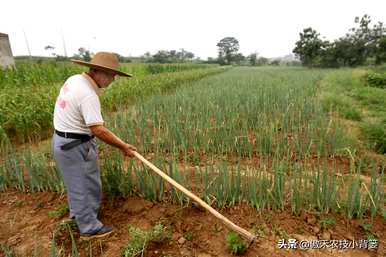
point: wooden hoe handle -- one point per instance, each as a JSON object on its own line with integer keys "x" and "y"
{"x": 192, "y": 196}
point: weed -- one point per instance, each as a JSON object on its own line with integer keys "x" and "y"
{"x": 327, "y": 222}
{"x": 260, "y": 230}
{"x": 7, "y": 251}
{"x": 139, "y": 239}
{"x": 235, "y": 244}
{"x": 189, "y": 236}
{"x": 376, "y": 135}
{"x": 59, "y": 212}
{"x": 352, "y": 114}
{"x": 277, "y": 230}
{"x": 19, "y": 203}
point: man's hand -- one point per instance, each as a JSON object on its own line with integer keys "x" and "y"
{"x": 110, "y": 138}
{"x": 128, "y": 150}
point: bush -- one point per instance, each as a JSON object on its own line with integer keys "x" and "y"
{"x": 376, "y": 79}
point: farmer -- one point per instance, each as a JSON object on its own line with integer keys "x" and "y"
{"x": 77, "y": 120}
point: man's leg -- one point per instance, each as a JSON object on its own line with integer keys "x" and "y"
{"x": 77, "y": 179}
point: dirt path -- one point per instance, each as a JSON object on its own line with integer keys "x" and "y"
{"x": 26, "y": 227}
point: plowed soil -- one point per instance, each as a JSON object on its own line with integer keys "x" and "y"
{"x": 26, "y": 227}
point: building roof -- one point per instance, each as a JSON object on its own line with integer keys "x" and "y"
{"x": 3, "y": 35}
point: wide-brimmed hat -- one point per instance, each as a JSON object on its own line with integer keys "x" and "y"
{"x": 104, "y": 61}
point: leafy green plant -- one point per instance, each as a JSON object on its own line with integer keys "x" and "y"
{"x": 327, "y": 222}
{"x": 7, "y": 251}
{"x": 369, "y": 235}
{"x": 59, "y": 212}
{"x": 189, "y": 235}
{"x": 375, "y": 79}
{"x": 235, "y": 244}
{"x": 352, "y": 114}
{"x": 139, "y": 239}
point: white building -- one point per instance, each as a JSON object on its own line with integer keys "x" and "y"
{"x": 6, "y": 57}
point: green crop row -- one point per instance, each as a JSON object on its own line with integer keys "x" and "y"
{"x": 243, "y": 112}
{"x": 26, "y": 113}
{"x": 297, "y": 187}
{"x": 32, "y": 73}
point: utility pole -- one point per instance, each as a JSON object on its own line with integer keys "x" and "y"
{"x": 64, "y": 44}
{"x": 26, "y": 41}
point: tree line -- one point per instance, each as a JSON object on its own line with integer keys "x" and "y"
{"x": 362, "y": 45}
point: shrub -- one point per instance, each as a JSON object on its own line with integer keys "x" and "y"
{"x": 376, "y": 79}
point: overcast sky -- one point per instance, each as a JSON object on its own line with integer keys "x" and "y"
{"x": 133, "y": 27}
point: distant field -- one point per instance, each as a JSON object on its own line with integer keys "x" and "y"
{"x": 27, "y": 94}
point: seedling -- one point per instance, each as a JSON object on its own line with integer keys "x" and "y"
{"x": 327, "y": 222}
{"x": 189, "y": 236}
{"x": 369, "y": 234}
{"x": 139, "y": 239}
{"x": 59, "y": 212}
{"x": 235, "y": 244}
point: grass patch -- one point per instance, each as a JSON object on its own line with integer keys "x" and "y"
{"x": 375, "y": 134}
{"x": 352, "y": 114}
{"x": 347, "y": 92}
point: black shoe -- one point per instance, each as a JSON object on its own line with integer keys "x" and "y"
{"x": 103, "y": 232}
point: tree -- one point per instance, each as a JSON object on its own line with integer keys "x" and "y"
{"x": 239, "y": 58}
{"x": 262, "y": 61}
{"x": 162, "y": 56}
{"x": 84, "y": 54}
{"x": 227, "y": 50}
{"x": 380, "y": 52}
{"x": 309, "y": 47}
{"x": 184, "y": 55}
{"x": 252, "y": 59}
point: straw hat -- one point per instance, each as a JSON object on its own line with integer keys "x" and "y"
{"x": 104, "y": 61}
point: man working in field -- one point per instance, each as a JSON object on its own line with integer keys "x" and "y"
{"x": 77, "y": 119}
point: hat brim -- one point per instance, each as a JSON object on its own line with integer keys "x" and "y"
{"x": 100, "y": 67}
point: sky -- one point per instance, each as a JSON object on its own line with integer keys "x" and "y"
{"x": 133, "y": 27}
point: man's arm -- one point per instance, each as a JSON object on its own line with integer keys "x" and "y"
{"x": 110, "y": 138}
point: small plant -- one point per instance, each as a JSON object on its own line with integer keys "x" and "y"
{"x": 277, "y": 230}
{"x": 369, "y": 234}
{"x": 139, "y": 239}
{"x": 261, "y": 230}
{"x": 326, "y": 222}
{"x": 189, "y": 236}
{"x": 59, "y": 212}
{"x": 19, "y": 203}
{"x": 6, "y": 251}
{"x": 235, "y": 244}
{"x": 352, "y": 114}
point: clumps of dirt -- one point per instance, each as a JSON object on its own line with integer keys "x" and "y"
{"x": 26, "y": 227}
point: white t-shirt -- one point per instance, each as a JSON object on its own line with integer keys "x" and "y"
{"x": 77, "y": 106}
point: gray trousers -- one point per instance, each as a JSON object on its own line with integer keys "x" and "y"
{"x": 79, "y": 169}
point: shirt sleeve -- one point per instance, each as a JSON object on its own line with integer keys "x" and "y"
{"x": 90, "y": 109}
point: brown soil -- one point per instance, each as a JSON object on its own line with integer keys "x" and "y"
{"x": 26, "y": 227}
